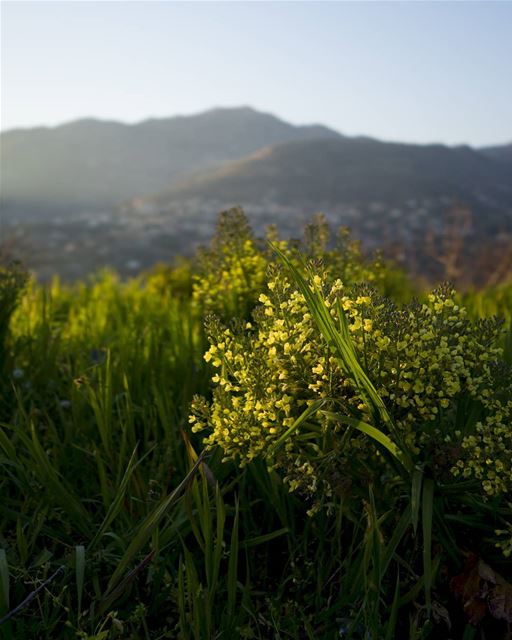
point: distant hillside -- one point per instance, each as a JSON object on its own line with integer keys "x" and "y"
{"x": 93, "y": 165}
{"x": 352, "y": 172}
{"x": 443, "y": 211}
{"x": 502, "y": 153}
{"x": 92, "y": 193}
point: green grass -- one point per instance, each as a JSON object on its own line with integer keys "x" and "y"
{"x": 116, "y": 522}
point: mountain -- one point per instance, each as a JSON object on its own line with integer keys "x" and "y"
{"x": 92, "y": 193}
{"x": 502, "y": 153}
{"x": 93, "y": 165}
{"x": 429, "y": 202}
{"x": 375, "y": 187}
{"x": 331, "y": 172}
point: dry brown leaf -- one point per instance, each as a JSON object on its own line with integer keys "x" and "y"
{"x": 440, "y": 614}
{"x": 475, "y": 609}
{"x": 500, "y": 601}
{"x": 482, "y": 590}
{"x": 485, "y": 572}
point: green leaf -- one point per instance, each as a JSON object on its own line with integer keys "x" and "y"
{"x": 371, "y": 431}
{"x": 395, "y": 606}
{"x": 146, "y": 528}
{"x": 341, "y": 345}
{"x": 79, "y": 573}
{"x": 427, "y": 521}
{"x": 233, "y": 563}
{"x": 417, "y": 480}
{"x": 339, "y": 342}
{"x": 4, "y": 579}
{"x": 311, "y": 410}
{"x": 398, "y": 534}
{"x": 116, "y": 504}
{"x": 266, "y": 537}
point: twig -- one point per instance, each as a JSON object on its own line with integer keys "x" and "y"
{"x": 31, "y": 596}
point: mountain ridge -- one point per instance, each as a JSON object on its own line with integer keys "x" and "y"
{"x": 180, "y": 117}
{"x": 90, "y": 193}
{"x": 319, "y": 166}
{"x": 96, "y": 164}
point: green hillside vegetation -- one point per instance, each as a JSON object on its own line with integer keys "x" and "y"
{"x": 274, "y": 439}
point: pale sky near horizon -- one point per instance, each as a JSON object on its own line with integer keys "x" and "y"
{"x": 409, "y": 71}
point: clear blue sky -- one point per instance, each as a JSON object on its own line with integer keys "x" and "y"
{"x": 419, "y": 72}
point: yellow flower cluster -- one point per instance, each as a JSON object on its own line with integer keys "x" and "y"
{"x": 233, "y": 271}
{"x": 258, "y": 375}
{"x": 488, "y": 451}
{"x": 422, "y": 359}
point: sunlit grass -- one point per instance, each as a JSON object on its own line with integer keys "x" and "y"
{"x": 141, "y": 532}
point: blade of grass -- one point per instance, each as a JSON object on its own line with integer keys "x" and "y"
{"x": 220, "y": 514}
{"x": 427, "y": 521}
{"x": 311, "y": 410}
{"x": 263, "y": 539}
{"x": 393, "y": 616}
{"x": 116, "y": 504}
{"x": 343, "y": 349}
{"x": 398, "y": 534}
{"x": 413, "y": 593}
{"x": 417, "y": 481}
{"x": 53, "y": 482}
{"x": 339, "y": 343}
{"x": 4, "y": 579}
{"x": 233, "y": 563}
{"x": 79, "y": 574}
{"x": 146, "y": 528}
{"x": 371, "y": 431}
{"x": 130, "y": 577}
{"x": 377, "y": 546}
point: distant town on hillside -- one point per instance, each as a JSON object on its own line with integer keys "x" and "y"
{"x": 92, "y": 193}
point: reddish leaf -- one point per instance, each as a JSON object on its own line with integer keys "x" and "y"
{"x": 475, "y": 609}
{"x": 482, "y": 590}
{"x": 471, "y": 590}
{"x": 466, "y": 586}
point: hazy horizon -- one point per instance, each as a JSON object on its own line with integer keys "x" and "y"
{"x": 409, "y": 72}
{"x": 234, "y": 107}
